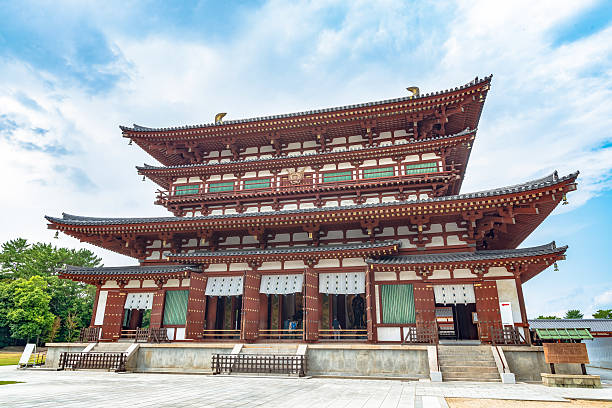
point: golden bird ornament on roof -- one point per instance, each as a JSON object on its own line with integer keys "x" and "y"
{"x": 219, "y": 117}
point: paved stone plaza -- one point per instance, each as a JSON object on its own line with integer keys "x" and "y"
{"x": 96, "y": 389}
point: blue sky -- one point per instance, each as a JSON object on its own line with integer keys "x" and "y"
{"x": 71, "y": 72}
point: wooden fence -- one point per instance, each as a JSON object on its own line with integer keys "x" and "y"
{"x": 107, "y": 361}
{"x": 258, "y": 364}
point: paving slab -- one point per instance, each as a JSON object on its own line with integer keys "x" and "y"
{"x": 97, "y": 389}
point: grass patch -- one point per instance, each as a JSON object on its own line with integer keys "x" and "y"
{"x": 9, "y": 358}
{"x": 10, "y": 382}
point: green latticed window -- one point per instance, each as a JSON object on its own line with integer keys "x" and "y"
{"x": 422, "y": 168}
{"x": 380, "y": 172}
{"x": 223, "y": 186}
{"x": 257, "y": 183}
{"x": 175, "y": 308}
{"x": 337, "y": 176}
{"x": 397, "y": 304}
{"x": 187, "y": 189}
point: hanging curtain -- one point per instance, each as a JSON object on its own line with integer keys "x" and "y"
{"x": 175, "y": 307}
{"x": 281, "y": 284}
{"x": 139, "y": 301}
{"x": 224, "y": 286}
{"x": 342, "y": 283}
{"x": 397, "y": 304}
{"x": 447, "y": 294}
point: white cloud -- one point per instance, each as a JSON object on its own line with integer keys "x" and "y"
{"x": 547, "y": 109}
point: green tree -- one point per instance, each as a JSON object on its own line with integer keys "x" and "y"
{"x": 547, "y": 317}
{"x": 20, "y": 260}
{"x": 603, "y": 314}
{"x": 573, "y": 314}
{"x": 29, "y": 317}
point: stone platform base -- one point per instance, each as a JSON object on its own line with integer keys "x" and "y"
{"x": 408, "y": 362}
{"x": 571, "y": 381}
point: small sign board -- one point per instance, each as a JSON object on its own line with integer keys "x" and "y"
{"x": 568, "y": 353}
{"x": 27, "y": 353}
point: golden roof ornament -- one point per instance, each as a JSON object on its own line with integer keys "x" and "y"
{"x": 219, "y": 118}
{"x": 414, "y": 90}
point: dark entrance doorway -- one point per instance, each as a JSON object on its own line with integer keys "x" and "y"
{"x": 455, "y": 321}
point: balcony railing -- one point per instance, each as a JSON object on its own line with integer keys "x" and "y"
{"x": 281, "y": 334}
{"x": 308, "y": 183}
{"x": 343, "y": 334}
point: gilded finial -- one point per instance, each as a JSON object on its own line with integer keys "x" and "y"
{"x": 414, "y": 90}
{"x": 219, "y": 117}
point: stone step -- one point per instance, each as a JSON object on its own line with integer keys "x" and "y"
{"x": 111, "y": 347}
{"x": 472, "y": 375}
{"x": 466, "y": 361}
{"x": 472, "y": 379}
{"x": 469, "y": 369}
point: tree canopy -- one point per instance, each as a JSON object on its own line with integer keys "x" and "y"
{"x": 603, "y": 314}
{"x": 573, "y": 314}
{"x": 35, "y": 304}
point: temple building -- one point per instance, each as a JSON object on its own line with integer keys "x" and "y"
{"x": 340, "y": 224}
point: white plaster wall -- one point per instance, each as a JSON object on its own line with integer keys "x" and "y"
{"x": 408, "y": 275}
{"x": 133, "y": 283}
{"x": 239, "y": 267}
{"x": 110, "y": 285}
{"x": 353, "y": 262}
{"x": 149, "y": 283}
{"x": 506, "y": 292}
{"x": 463, "y": 273}
{"x": 266, "y": 266}
{"x": 101, "y": 308}
{"x": 441, "y": 274}
{"x": 389, "y": 334}
{"x": 172, "y": 283}
{"x": 294, "y": 264}
{"x": 385, "y": 276}
{"x": 217, "y": 268}
{"x": 328, "y": 263}
{"x": 377, "y": 301}
{"x": 498, "y": 271}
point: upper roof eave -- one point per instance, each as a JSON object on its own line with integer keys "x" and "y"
{"x": 147, "y": 167}
{"x": 548, "y": 181}
{"x": 143, "y": 130}
{"x": 460, "y": 257}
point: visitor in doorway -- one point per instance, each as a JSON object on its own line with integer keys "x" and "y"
{"x": 292, "y": 328}
{"x": 358, "y": 309}
{"x": 336, "y": 326}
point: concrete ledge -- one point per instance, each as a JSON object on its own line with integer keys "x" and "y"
{"x": 571, "y": 380}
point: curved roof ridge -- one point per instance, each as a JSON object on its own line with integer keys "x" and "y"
{"x": 465, "y": 131}
{"x": 529, "y": 185}
{"x": 140, "y": 128}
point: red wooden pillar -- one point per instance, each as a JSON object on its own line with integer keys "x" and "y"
{"x": 113, "y": 314}
{"x": 196, "y": 307}
{"x": 250, "y": 310}
{"x": 521, "y": 299}
{"x": 157, "y": 310}
{"x": 312, "y": 305}
{"x": 263, "y": 311}
{"x": 370, "y": 304}
{"x": 211, "y": 313}
{"x": 487, "y": 308}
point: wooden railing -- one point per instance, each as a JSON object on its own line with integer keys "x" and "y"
{"x": 281, "y": 334}
{"x": 307, "y": 184}
{"x": 147, "y": 335}
{"x": 486, "y": 330}
{"x": 259, "y": 364}
{"x": 90, "y": 334}
{"x": 507, "y": 336}
{"x": 221, "y": 334}
{"x": 108, "y": 361}
{"x": 343, "y": 334}
{"x": 422, "y": 333}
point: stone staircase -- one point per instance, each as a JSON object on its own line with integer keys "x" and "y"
{"x": 119, "y": 347}
{"x": 467, "y": 363}
{"x": 273, "y": 348}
